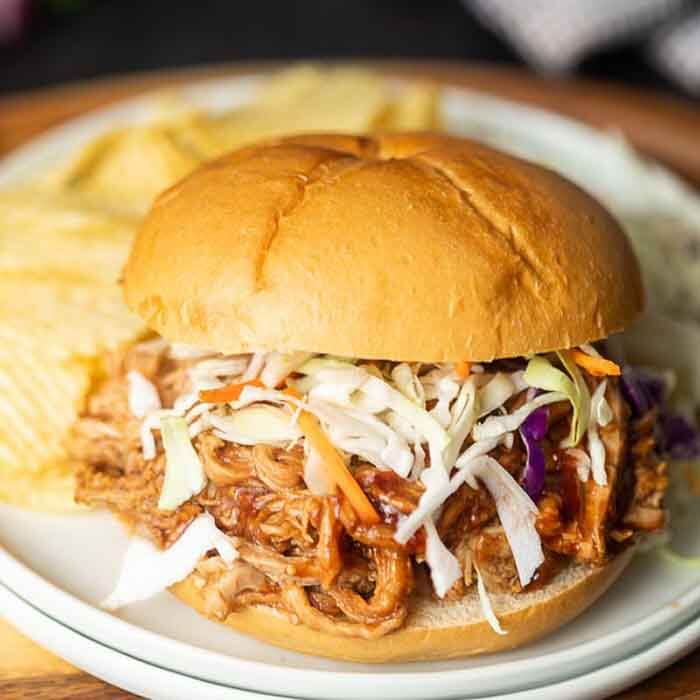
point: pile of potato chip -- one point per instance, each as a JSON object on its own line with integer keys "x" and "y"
{"x": 64, "y": 239}
{"x": 60, "y": 307}
{"x": 124, "y": 169}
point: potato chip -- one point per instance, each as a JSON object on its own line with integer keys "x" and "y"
{"x": 48, "y": 348}
{"x": 60, "y": 307}
{"x": 124, "y": 170}
{"x": 340, "y": 99}
{"x": 346, "y": 99}
{"x": 40, "y": 398}
{"x": 415, "y": 109}
{"x": 50, "y": 491}
{"x": 81, "y": 316}
{"x": 289, "y": 87}
{"x": 53, "y": 230}
{"x": 194, "y": 134}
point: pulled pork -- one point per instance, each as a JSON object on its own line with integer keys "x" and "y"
{"x": 310, "y": 556}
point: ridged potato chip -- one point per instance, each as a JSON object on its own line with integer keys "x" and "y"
{"x": 415, "y": 110}
{"x": 50, "y": 491}
{"x": 48, "y": 348}
{"x": 124, "y": 170}
{"x": 60, "y": 308}
{"x": 59, "y": 231}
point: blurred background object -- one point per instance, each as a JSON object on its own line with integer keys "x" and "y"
{"x": 643, "y": 42}
{"x": 556, "y": 36}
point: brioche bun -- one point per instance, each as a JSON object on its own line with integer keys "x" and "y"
{"x": 434, "y": 629}
{"x": 403, "y": 247}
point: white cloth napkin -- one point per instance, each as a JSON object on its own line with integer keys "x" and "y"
{"x": 555, "y": 35}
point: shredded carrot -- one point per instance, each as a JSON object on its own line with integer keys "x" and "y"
{"x": 463, "y": 369}
{"x": 597, "y": 366}
{"x": 230, "y": 392}
{"x": 337, "y": 470}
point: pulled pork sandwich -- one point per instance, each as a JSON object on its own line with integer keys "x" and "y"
{"x": 373, "y": 424}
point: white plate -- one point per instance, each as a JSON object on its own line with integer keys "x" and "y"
{"x": 70, "y": 563}
{"x": 156, "y": 683}
{"x": 65, "y": 565}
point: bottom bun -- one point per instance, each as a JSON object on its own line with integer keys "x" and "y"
{"x": 433, "y": 629}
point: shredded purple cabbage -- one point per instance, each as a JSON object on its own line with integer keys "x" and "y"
{"x": 642, "y": 389}
{"x": 679, "y": 440}
{"x": 535, "y": 425}
{"x": 532, "y": 432}
{"x": 676, "y": 436}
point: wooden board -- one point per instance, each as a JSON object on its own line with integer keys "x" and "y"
{"x": 664, "y": 128}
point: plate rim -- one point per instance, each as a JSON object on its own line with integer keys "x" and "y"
{"x": 659, "y": 654}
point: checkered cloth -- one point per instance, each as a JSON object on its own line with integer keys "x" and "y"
{"x": 555, "y": 35}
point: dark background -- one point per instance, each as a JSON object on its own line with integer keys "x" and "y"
{"x": 74, "y": 40}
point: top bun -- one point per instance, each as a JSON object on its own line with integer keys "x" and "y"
{"x": 416, "y": 247}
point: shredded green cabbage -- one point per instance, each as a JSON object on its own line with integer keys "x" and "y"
{"x": 279, "y": 365}
{"x": 445, "y": 568}
{"x": 498, "y": 390}
{"x": 316, "y": 364}
{"x": 408, "y": 384}
{"x": 464, "y": 414}
{"x": 497, "y": 425}
{"x": 335, "y": 385}
{"x": 541, "y": 374}
{"x": 256, "y": 424}
{"x": 184, "y": 474}
{"x": 486, "y": 606}
{"x": 448, "y": 389}
{"x": 582, "y": 415}
{"x": 601, "y": 414}
{"x": 147, "y": 569}
{"x": 437, "y": 437}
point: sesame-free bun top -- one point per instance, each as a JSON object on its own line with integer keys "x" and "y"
{"x": 407, "y": 246}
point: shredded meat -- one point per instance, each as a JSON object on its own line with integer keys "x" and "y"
{"x": 225, "y": 463}
{"x": 390, "y": 492}
{"x": 645, "y": 511}
{"x": 465, "y": 511}
{"x": 304, "y": 570}
{"x": 380, "y": 535}
{"x": 281, "y": 471}
{"x": 310, "y": 556}
{"x": 227, "y": 587}
{"x": 492, "y": 556}
{"x": 330, "y": 556}
{"x": 297, "y": 601}
{"x": 393, "y": 582}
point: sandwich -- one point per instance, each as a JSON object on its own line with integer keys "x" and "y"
{"x": 378, "y": 417}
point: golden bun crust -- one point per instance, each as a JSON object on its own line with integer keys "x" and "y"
{"x": 434, "y": 630}
{"x": 409, "y": 246}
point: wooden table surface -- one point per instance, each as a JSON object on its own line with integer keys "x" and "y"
{"x": 664, "y": 128}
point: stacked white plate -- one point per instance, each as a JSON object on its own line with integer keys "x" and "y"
{"x": 54, "y": 570}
